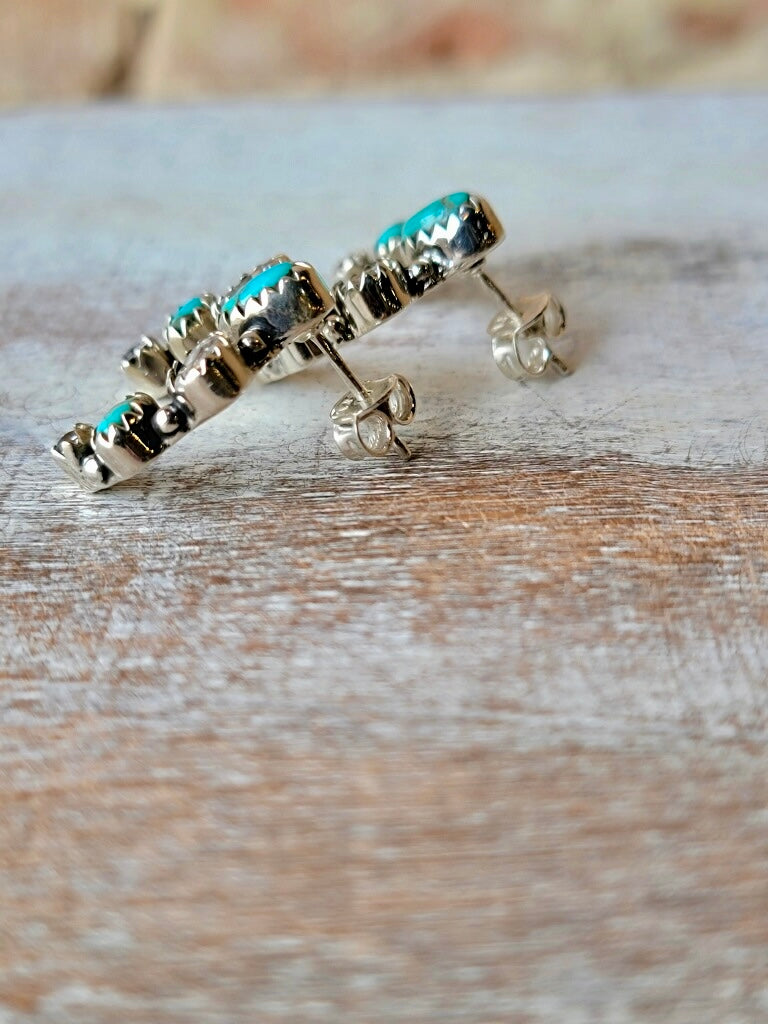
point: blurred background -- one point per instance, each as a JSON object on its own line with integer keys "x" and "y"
{"x": 69, "y": 50}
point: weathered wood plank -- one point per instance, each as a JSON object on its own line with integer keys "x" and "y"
{"x": 478, "y": 738}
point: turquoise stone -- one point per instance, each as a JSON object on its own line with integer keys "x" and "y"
{"x": 114, "y": 417}
{"x": 393, "y": 231}
{"x": 187, "y": 310}
{"x": 254, "y": 285}
{"x": 426, "y": 219}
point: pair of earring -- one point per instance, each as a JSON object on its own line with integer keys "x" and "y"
{"x": 281, "y": 317}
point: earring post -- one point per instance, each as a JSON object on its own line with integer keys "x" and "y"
{"x": 331, "y": 351}
{"x": 491, "y": 285}
{"x": 562, "y": 368}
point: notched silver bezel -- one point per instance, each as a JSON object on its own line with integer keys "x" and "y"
{"x": 294, "y": 305}
{"x": 127, "y": 446}
{"x": 182, "y": 334}
{"x": 456, "y": 242}
{"x": 369, "y": 293}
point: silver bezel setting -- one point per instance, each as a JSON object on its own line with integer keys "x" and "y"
{"x": 296, "y": 303}
{"x": 456, "y": 242}
{"x": 213, "y": 376}
{"x": 148, "y": 365}
{"x": 124, "y": 447}
{"x": 209, "y": 377}
{"x": 366, "y": 293}
{"x": 183, "y": 333}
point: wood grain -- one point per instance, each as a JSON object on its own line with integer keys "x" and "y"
{"x": 480, "y": 738}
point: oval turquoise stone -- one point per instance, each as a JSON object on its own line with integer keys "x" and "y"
{"x": 114, "y": 417}
{"x": 187, "y": 309}
{"x": 393, "y": 231}
{"x": 426, "y": 219}
{"x": 254, "y": 285}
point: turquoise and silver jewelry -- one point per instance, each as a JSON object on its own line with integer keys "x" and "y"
{"x": 281, "y": 317}
{"x": 454, "y": 235}
{"x": 211, "y": 350}
{"x": 450, "y": 236}
{"x": 209, "y": 354}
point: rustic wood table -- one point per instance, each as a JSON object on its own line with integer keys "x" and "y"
{"x": 477, "y": 738}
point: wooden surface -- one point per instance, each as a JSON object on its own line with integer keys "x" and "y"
{"x": 481, "y": 738}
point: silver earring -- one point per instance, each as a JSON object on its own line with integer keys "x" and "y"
{"x": 366, "y": 418}
{"x": 211, "y": 351}
{"x": 450, "y": 236}
{"x": 149, "y": 363}
{"x": 454, "y": 235}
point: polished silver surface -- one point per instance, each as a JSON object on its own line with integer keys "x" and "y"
{"x": 280, "y": 318}
{"x": 370, "y": 294}
{"x": 454, "y": 235}
{"x": 297, "y": 301}
{"x": 74, "y": 453}
{"x": 450, "y": 236}
{"x": 212, "y": 377}
{"x": 252, "y": 328}
{"x": 148, "y": 364}
{"x": 190, "y": 324}
{"x": 364, "y": 419}
{"x": 366, "y": 293}
{"x": 520, "y": 336}
{"x": 126, "y": 440}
